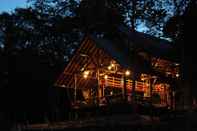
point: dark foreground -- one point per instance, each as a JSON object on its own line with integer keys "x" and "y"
{"x": 121, "y": 119}
{"x": 126, "y": 122}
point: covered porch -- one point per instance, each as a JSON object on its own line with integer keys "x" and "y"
{"x": 96, "y": 77}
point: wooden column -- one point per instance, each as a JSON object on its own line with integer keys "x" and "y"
{"x": 151, "y": 89}
{"x": 133, "y": 93}
{"x": 98, "y": 87}
{"x": 125, "y": 89}
{"x": 75, "y": 88}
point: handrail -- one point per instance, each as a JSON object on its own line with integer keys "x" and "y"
{"x": 118, "y": 83}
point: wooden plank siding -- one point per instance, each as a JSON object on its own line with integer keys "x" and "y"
{"x": 78, "y": 62}
{"x": 90, "y": 57}
{"x": 88, "y": 47}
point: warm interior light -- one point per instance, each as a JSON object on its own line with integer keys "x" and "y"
{"x": 168, "y": 73}
{"x": 127, "y": 73}
{"x": 85, "y": 76}
{"x": 86, "y": 72}
{"x": 176, "y": 64}
{"x": 109, "y": 67}
{"x": 112, "y": 65}
{"x": 105, "y": 76}
{"x": 177, "y": 75}
{"x": 142, "y": 77}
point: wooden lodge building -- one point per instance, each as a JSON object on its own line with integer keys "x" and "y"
{"x": 130, "y": 66}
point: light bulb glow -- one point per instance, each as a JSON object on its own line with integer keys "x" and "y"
{"x": 86, "y": 72}
{"x": 105, "y": 76}
{"x": 177, "y": 75}
{"x": 127, "y": 73}
{"x": 85, "y": 76}
{"x": 112, "y": 65}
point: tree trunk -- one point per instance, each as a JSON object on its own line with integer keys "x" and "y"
{"x": 133, "y": 17}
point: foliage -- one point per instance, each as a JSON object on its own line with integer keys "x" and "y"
{"x": 144, "y": 15}
{"x": 39, "y": 40}
{"x": 173, "y": 27}
{"x": 180, "y": 28}
{"x": 38, "y": 46}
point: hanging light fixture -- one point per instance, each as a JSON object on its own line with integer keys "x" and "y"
{"x": 127, "y": 73}
{"x": 85, "y": 74}
{"x": 177, "y": 75}
{"x": 105, "y": 76}
{"x": 112, "y": 65}
{"x": 143, "y": 77}
{"x": 109, "y": 67}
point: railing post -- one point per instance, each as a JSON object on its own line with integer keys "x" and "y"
{"x": 75, "y": 89}
{"x": 125, "y": 89}
{"x": 133, "y": 94}
{"x": 98, "y": 87}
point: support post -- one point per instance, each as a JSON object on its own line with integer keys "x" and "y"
{"x": 125, "y": 89}
{"x": 75, "y": 89}
{"x": 133, "y": 93}
{"x": 98, "y": 88}
{"x": 151, "y": 90}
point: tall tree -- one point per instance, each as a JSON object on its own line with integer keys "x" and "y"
{"x": 151, "y": 14}
{"x": 179, "y": 28}
{"x": 38, "y": 46}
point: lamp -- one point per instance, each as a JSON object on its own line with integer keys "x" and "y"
{"x": 127, "y": 73}
{"x": 109, "y": 67}
{"x": 105, "y": 76}
{"x": 85, "y": 74}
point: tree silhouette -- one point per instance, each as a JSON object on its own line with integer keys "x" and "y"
{"x": 37, "y": 46}
{"x": 179, "y": 28}
{"x": 38, "y": 41}
{"x": 147, "y": 14}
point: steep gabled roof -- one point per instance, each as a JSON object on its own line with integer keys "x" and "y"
{"x": 122, "y": 48}
{"x": 153, "y": 45}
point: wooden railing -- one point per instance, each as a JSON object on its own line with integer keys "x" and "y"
{"x": 119, "y": 83}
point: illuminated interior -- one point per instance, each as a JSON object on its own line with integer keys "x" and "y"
{"x": 98, "y": 76}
